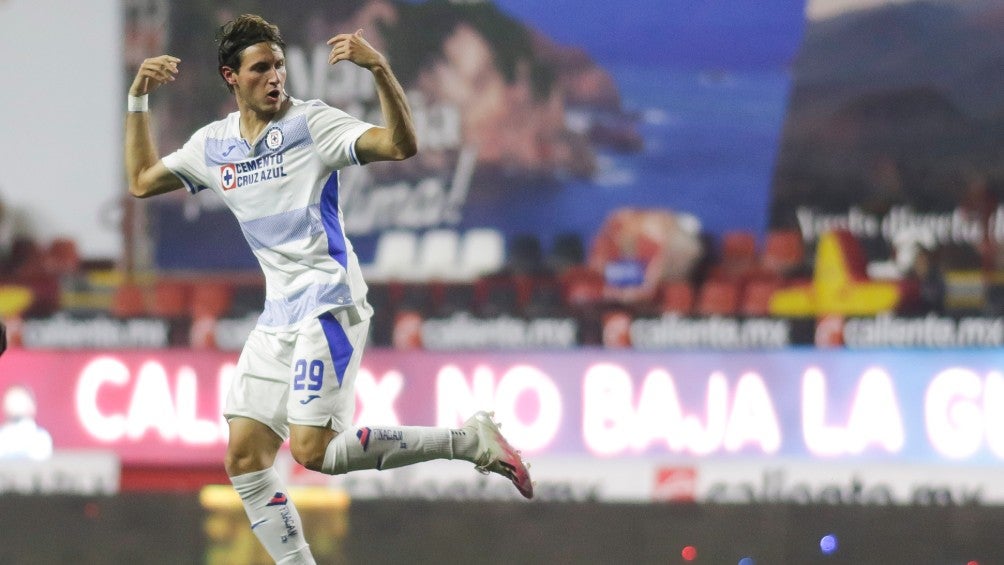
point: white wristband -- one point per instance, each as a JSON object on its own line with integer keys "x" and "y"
{"x": 138, "y": 103}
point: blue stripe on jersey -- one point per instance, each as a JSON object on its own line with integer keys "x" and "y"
{"x": 274, "y": 230}
{"x": 329, "y": 217}
{"x": 190, "y": 185}
{"x": 352, "y": 153}
{"x": 287, "y": 311}
{"x": 338, "y": 343}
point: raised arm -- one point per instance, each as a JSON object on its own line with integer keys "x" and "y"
{"x": 396, "y": 140}
{"x": 146, "y": 174}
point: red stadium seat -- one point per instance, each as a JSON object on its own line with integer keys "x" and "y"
{"x": 128, "y": 301}
{"x": 678, "y": 298}
{"x": 756, "y": 297}
{"x": 783, "y": 251}
{"x": 171, "y": 299}
{"x": 62, "y": 256}
{"x": 718, "y": 297}
{"x": 211, "y": 300}
{"x": 738, "y": 255}
{"x": 582, "y": 286}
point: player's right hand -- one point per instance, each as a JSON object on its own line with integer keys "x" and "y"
{"x": 154, "y": 72}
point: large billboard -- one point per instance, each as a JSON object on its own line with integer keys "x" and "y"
{"x": 529, "y": 121}
{"x": 892, "y": 130}
{"x": 619, "y": 426}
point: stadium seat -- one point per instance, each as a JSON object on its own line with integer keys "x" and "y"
{"x": 544, "y": 298}
{"x": 171, "y": 299}
{"x": 568, "y": 251}
{"x": 62, "y": 256}
{"x": 783, "y": 251}
{"x": 756, "y": 296}
{"x": 497, "y": 295}
{"x": 677, "y": 298}
{"x": 582, "y": 287}
{"x": 453, "y": 297}
{"x": 438, "y": 255}
{"x": 395, "y": 255}
{"x": 482, "y": 252}
{"x": 718, "y": 297}
{"x": 738, "y": 255}
{"x": 128, "y": 301}
{"x": 526, "y": 255}
{"x": 211, "y": 300}
{"x": 416, "y": 297}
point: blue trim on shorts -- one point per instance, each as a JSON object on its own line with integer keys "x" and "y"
{"x": 338, "y": 343}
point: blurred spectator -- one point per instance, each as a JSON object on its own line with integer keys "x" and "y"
{"x": 20, "y": 436}
{"x": 17, "y": 245}
{"x": 6, "y": 237}
{"x": 930, "y": 282}
{"x": 979, "y": 203}
{"x": 638, "y": 250}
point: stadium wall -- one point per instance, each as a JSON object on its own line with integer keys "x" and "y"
{"x": 131, "y": 528}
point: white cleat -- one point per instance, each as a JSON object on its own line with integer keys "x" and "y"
{"x": 495, "y": 455}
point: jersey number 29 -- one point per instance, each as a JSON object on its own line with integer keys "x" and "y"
{"x": 308, "y": 376}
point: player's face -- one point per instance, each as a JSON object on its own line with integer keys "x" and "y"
{"x": 261, "y": 80}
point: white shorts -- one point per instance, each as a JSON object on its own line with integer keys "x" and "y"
{"x": 305, "y": 377}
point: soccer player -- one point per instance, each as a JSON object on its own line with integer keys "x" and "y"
{"x": 275, "y": 163}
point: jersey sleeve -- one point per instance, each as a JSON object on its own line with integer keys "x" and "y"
{"x": 334, "y": 134}
{"x": 189, "y": 163}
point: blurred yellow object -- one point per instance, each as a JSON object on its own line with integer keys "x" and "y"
{"x": 967, "y": 290}
{"x": 230, "y": 540}
{"x": 14, "y": 300}
{"x": 224, "y": 497}
{"x": 839, "y": 284}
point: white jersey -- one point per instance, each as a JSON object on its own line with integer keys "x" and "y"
{"x": 283, "y": 189}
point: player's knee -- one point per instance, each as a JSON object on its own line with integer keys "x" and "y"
{"x": 307, "y": 455}
{"x": 239, "y": 461}
{"x": 308, "y": 449}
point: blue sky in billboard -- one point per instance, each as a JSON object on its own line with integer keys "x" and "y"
{"x": 674, "y": 33}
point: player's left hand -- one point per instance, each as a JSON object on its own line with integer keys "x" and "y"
{"x": 353, "y": 47}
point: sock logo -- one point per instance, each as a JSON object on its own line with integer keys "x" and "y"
{"x": 388, "y": 435}
{"x": 278, "y": 499}
{"x": 364, "y": 437}
{"x": 289, "y": 522}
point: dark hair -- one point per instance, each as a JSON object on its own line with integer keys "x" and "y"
{"x": 236, "y": 35}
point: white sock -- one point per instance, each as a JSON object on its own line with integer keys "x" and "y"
{"x": 465, "y": 443}
{"x": 386, "y": 448}
{"x": 274, "y": 519}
